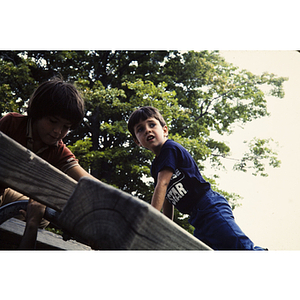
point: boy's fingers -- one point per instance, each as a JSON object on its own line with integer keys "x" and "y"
{"x": 22, "y": 212}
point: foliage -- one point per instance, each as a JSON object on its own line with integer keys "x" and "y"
{"x": 259, "y": 154}
{"x": 197, "y": 92}
{"x": 182, "y": 220}
{"x": 54, "y": 229}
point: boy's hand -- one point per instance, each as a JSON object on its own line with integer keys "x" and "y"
{"x": 34, "y": 215}
{"x": 35, "y": 212}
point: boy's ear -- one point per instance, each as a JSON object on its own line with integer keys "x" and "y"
{"x": 137, "y": 142}
{"x": 166, "y": 130}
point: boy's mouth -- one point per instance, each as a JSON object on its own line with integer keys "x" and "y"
{"x": 150, "y": 137}
{"x": 54, "y": 137}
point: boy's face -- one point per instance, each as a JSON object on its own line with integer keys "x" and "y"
{"x": 151, "y": 135}
{"x": 51, "y": 129}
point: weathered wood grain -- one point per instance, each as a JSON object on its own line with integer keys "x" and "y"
{"x": 32, "y": 176}
{"x": 108, "y": 218}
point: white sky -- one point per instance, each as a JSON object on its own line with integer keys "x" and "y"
{"x": 270, "y": 206}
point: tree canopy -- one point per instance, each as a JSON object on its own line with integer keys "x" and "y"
{"x": 197, "y": 92}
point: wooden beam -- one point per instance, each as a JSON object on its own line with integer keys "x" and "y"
{"x": 99, "y": 215}
{"x": 25, "y": 172}
{"x": 108, "y": 218}
{"x": 12, "y": 230}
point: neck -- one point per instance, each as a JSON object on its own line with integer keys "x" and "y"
{"x": 157, "y": 151}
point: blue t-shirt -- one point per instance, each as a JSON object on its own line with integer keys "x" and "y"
{"x": 187, "y": 184}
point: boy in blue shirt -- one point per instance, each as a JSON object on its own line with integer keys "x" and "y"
{"x": 178, "y": 182}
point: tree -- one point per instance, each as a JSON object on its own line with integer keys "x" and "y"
{"x": 197, "y": 92}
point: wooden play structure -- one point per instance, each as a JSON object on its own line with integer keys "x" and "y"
{"x": 98, "y": 216}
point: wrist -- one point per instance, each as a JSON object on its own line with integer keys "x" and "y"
{"x": 32, "y": 223}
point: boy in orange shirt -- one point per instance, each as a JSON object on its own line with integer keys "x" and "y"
{"x": 54, "y": 108}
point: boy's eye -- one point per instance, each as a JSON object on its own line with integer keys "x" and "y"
{"x": 52, "y": 120}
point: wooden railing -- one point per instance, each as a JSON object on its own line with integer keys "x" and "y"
{"x": 100, "y": 215}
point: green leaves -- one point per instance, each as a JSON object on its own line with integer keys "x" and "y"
{"x": 82, "y": 150}
{"x": 16, "y": 85}
{"x": 145, "y": 93}
{"x": 260, "y": 153}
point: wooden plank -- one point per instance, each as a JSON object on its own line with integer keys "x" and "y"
{"x": 32, "y": 176}
{"x": 97, "y": 214}
{"x": 107, "y": 218}
{"x": 12, "y": 231}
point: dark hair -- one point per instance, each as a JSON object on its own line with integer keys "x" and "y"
{"x": 56, "y": 98}
{"x": 143, "y": 114}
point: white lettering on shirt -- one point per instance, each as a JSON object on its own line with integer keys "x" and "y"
{"x": 176, "y": 193}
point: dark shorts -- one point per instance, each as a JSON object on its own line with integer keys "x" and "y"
{"x": 215, "y": 225}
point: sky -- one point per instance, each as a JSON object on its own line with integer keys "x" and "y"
{"x": 270, "y": 208}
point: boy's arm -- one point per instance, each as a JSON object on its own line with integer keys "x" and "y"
{"x": 159, "y": 195}
{"x": 34, "y": 215}
{"x": 77, "y": 172}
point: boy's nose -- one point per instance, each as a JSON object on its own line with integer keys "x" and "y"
{"x": 148, "y": 129}
{"x": 57, "y": 130}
